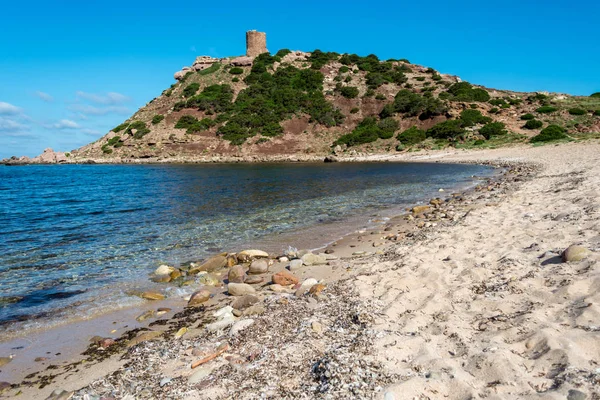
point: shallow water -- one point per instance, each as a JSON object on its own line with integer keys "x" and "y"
{"x": 74, "y": 239}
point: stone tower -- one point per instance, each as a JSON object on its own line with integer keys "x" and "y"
{"x": 256, "y": 43}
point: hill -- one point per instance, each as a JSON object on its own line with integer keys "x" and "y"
{"x": 295, "y": 104}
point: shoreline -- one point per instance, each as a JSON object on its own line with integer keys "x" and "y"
{"x": 348, "y": 280}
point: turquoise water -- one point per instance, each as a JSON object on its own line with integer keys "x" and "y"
{"x": 75, "y": 238}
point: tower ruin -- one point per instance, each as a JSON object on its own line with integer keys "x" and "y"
{"x": 256, "y": 43}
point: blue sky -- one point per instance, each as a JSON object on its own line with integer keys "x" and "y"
{"x": 71, "y": 70}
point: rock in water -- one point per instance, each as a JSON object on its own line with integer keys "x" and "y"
{"x": 152, "y": 296}
{"x": 240, "y": 289}
{"x": 164, "y": 270}
{"x": 260, "y": 266}
{"x": 575, "y": 253}
{"x": 313, "y": 259}
{"x": 284, "y": 278}
{"x": 145, "y": 316}
{"x": 199, "y": 297}
{"x": 248, "y": 255}
{"x": 236, "y": 274}
{"x": 212, "y": 264}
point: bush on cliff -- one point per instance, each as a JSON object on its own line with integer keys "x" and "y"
{"x": 157, "y": 119}
{"x": 493, "y": 129}
{"x": 349, "y": 92}
{"x": 546, "y": 109}
{"x": 527, "y": 117}
{"x": 471, "y": 117}
{"x": 533, "y": 124}
{"x": 596, "y": 95}
{"x": 464, "y": 91}
{"x": 577, "y": 111}
{"x": 549, "y": 134}
{"x": 367, "y": 131}
{"x": 411, "y": 136}
{"x": 450, "y": 129}
{"x": 236, "y": 71}
{"x": 191, "y": 89}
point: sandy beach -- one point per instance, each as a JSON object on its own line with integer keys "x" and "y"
{"x": 466, "y": 297}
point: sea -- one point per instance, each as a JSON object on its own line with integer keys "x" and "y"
{"x": 78, "y": 240}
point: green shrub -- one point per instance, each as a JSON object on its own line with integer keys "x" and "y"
{"x": 549, "y": 134}
{"x": 473, "y": 106}
{"x": 597, "y": 113}
{"x": 411, "y": 136}
{"x": 379, "y": 96}
{"x": 349, "y": 92}
{"x": 446, "y": 130}
{"x": 236, "y": 71}
{"x": 169, "y": 92}
{"x": 343, "y": 69}
{"x": 185, "y": 121}
{"x": 436, "y": 77}
{"x": 235, "y": 80}
{"x": 464, "y": 91}
{"x": 546, "y": 109}
{"x": 537, "y": 97}
{"x": 408, "y": 102}
{"x": 213, "y": 68}
{"x": 420, "y": 78}
{"x": 157, "y": 119}
{"x": 367, "y": 131}
{"x": 533, "y": 124}
{"x": 577, "y": 111}
{"x": 348, "y": 79}
{"x": 318, "y": 58}
{"x": 478, "y": 142}
{"x": 494, "y": 110}
{"x": 527, "y": 117}
{"x": 471, "y": 117}
{"x": 388, "y": 125}
{"x": 214, "y": 97}
{"x": 191, "y": 89}
{"x": 114, "y": 140}
{"x": 493, "y": 129}
{"x": 282, "y": 53}
{"x": 498, "y": 102}
{"x": 106, "y": 149}
{"x": 597, "y": 94}
{"x": 119, "y": 128}
{"x": 192, "y": 125}
{"x": 354, "y": 110}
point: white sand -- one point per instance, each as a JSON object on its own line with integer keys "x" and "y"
{"x": 481, "y": 310}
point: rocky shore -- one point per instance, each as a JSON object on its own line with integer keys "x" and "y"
{"x": 469, "y": 295}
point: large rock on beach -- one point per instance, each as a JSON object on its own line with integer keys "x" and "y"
{"x": 313, "y": 259}
{"x": 143, "y": 337}
{"x": 237, "y": 274}
{"x": 248, "y": 255}
{"x": 295, "y": 264}
{"x": 284, "y": 278}
{"x": 212, "y": 264}
{"x": 199, "y": 297}
{"x": 420, "y": 209}
{"x": 240, "y": 289}
{"x": 259, "y": 266}
{"x": 575, "y": 253}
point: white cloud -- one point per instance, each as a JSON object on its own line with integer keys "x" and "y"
{"x": 66, "y": 124}
{"x": 110, "y": 98}
{"x": 10, "y": 125}
{"x": 44, "y": 96}
{"x": 86, "y": 109}
{"x": 9, "y": 109}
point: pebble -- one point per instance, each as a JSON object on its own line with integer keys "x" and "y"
{"x": 152, "y": 296}
{"x": 313, "y": 259}
{"x": 199, "y": 297}
{"x": 164, "y": 381}
{"x": 253, "y": 280}
{"x": 245, "y": 302}
{"x": 163, "y": 270}
{"x": 5, "y": 360}
{"x": 576, "y": 395}
{"x": 247, "y": 255}
{"x": 575, "y": 253}
{"x": 316, "y": 327}
{"x": 284, "y": 278}
{"x": 240, "y": 289}
{"x": 162, "y": 311}
{"x": 237, "y": 274}
{"x": 180, "y": 333}
{"x": 240, "y": 326}
{"x": 284, "y": 259}
{"x": 295, "y": 264}
{"x": 257, "y": 309}
{"x": 144, "y": 316}
{"x": 306, "y": 285}
{"x": 260, "y": 266}
{"x": 231, "y": 260}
